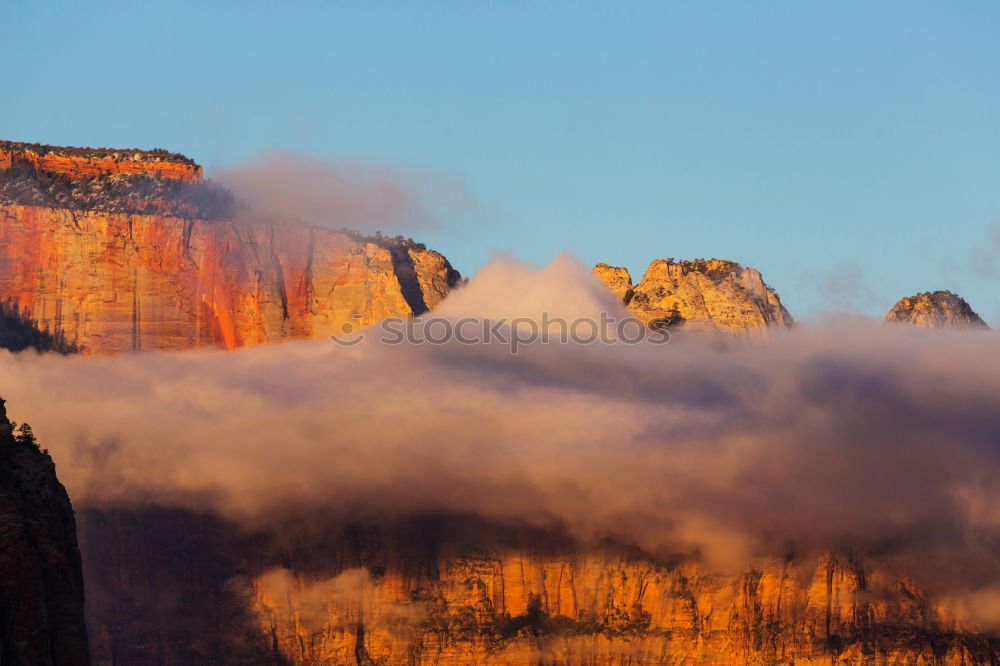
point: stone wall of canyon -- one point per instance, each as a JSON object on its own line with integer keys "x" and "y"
{"x": 451, "y": 591}
{"x": 114, "y": 282}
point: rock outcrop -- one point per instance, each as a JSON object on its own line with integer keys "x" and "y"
{"x": 618, "y": 280}
{"x": 937, "y": 309}
{"x": 41, "y": 580}
{"x": 80, "y": 163}
{"x": 712, "y": 295}
{"x": 454, "y": 591}
{"x": 88, "y": 261}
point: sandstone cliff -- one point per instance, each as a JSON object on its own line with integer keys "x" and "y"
{"x": 455, "y": 591}
{"x": 131, "y": 262}
{"x": 18, "y": 331}
{"x": 80, "y": 163}
{"x": 712, "y": 295}
{"x": 617, "y": 279}
{"x": 41, "y": 580}
{"x": 938, "y": 309}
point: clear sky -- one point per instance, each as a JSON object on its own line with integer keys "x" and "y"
{"x": 849, "y": 150}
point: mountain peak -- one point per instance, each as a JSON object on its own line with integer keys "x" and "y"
{"x": 935, "y": 309}
{"x": 707, "y": 294}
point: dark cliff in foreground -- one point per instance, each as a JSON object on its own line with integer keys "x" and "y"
{"x": 41, "y": 578}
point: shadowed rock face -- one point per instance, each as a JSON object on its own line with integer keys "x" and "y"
{"x": 937, "y": 309}
{"x": 177, "y": 588}
{"x": 41, "y": 581}
{"x": 712, "y": 295}
{"x": 166, "y": 587}
{"x": 90, "y": 255}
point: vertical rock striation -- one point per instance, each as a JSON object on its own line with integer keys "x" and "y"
{"x": 527, "y": 602}
{"x": 113, "y": 282}
{"x": 119, "y": 251}
{"x": 453, "y": 591}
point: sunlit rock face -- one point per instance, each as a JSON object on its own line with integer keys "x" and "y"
{"x": 87, "y": 251}
{"x": 114, "y": 282}
{"x": 513, "y": 606}
{"x": 708, "y": 295}
{"x": 455, "y": 591}
{"x": 937, "y": 309}
{"x": 618, "y": 280}
{"x": 80, "y": 163}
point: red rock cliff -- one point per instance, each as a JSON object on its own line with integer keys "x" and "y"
{"x": 116, "y": 282}
{"x": 78, "y": 163}
{"x": 126, "y": 263}
{"x": 454, "y": 593}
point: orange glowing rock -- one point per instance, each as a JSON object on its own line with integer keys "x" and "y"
{"x": 115, "y": 282}
{"x": 78, "y": 163}
{"x": 119, "y": 251}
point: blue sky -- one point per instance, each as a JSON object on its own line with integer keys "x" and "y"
{"x": 849, "y": 150}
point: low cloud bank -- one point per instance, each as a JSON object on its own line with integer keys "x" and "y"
{"x": 882, "y": 439}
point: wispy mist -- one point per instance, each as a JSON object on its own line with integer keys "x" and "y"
{"x": 348, "y": 193}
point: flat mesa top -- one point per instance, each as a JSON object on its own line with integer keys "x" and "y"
{"x": 131, "y": 154}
